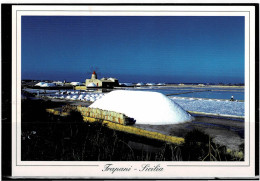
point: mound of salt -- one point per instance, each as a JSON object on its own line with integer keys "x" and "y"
{"x": 140, "y": 83}
{"x": 150, "y": 84}
{"x": 92, "y": 85}
{"x": 76, "y": 83}
{"x": 145, "y": 107}
{"x": 43, "y": 84}
{"x": 40, "y": 84}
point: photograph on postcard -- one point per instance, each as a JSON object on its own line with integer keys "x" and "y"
{"x": 132, "y": 88}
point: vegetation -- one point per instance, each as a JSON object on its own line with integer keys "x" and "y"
{"x": 46, "y": 137}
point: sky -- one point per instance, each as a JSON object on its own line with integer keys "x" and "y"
{"x": 169, "y": 49}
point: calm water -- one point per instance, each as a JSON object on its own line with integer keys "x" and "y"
{"x": 206, "y": 92}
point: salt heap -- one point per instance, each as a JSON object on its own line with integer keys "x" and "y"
{"x": 92, "y": 85}
{"x": 144, "y": 106}
{"x": 140, "y": 84}
{"x": 76, "y": 83}
{"x": 43, "y": 84}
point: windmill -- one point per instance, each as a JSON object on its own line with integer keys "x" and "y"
{"x": 93, "y": 69}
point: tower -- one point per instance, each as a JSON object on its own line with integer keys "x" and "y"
{"x": 94, "y": 75}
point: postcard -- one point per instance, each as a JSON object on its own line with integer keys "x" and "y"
{"x": 155, "y": 91}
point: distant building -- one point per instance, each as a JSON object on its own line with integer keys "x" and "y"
{"x": 104, "y": 82}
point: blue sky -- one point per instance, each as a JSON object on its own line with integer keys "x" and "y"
{"x": 134, "y": 49}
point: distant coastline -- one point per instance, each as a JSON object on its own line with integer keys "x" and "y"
{"x": 212, "y": 86}
{"x": 196, "y": 84}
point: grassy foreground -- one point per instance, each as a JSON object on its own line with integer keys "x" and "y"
{"x": 46, "y": 137}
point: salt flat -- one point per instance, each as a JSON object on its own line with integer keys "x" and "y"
{"x": 214, "y": 106}
{"x": 211, "y": 106}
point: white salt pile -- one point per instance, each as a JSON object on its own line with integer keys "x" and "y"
{"x": 140, "y": 84}
{"x": 40, "y": 84}
{"x": 92, "y": 85}
{"x": 76, "y": 83}
{"x": 150, "y": 84}
{"x": 145, "y": 107}
{"x": 43, "y": 84}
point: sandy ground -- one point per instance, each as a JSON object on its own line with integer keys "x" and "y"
{"x": 227, "y": 132}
